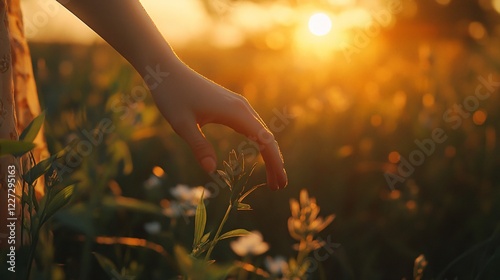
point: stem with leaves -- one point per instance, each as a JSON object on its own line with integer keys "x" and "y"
{"x": 217, "y": 234}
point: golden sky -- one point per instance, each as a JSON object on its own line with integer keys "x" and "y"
{"x": 180, "y": 21}
{"x": 47, "y": 20}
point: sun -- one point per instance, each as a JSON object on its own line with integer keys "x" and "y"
{"x": 320, "y": 24}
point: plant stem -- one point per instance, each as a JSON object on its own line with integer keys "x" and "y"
{"x": 216, "y": 237}
{"x": 34, "y": 234}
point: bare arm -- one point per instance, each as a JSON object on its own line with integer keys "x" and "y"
{"x": 125, "y": 25}
{"x": 186, "y": 99}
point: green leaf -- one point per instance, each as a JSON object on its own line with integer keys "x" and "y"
{"x": 60, "y": 200}
{"x": 250, "y": 191}
{"x": 15, "y": 148}
{"x": 57, "y": 188}
{"x": 200, "y": 221}
{"x": 202, "y": 246}
{"x": 42, "y": 167}
{"x": 31, "y": 131}
{"x": 244, "y": 206}
{"x": 228, "y": 170}
{"x": 183, "y": 259}
{"x": 35, "y": 202}
{"x": 224, "y": 177}
{"x": 235, "y": 233}
{"x": 233, "y": 158}
{"x": 205, "y": 237}
{"x": 108, "y": 266}
{"x": 38, "y": 170}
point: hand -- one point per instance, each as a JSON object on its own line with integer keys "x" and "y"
{"x": 189, "y": 101}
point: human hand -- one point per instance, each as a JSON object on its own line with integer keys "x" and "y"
{"x": 188, "y": 101}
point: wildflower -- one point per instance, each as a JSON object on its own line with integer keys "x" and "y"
{"x": 276, "y": 265}
{"x": 251, "y": 244}
{"x": 187, "y": 195}
{"x": 185, "y": 201}
{"x": 304, "y": 221}
{"x": 303, "y": 226}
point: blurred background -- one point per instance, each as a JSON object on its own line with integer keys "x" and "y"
{"x": 350, "y": 87}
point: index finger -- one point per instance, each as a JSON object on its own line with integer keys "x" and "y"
{"x": 244, "y": 120}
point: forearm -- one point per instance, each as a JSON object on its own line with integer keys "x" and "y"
{"x": 126, "y": 26}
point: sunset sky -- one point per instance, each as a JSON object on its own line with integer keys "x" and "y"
{"x": 47, "y": 20}
{"x": 182, "y": 21}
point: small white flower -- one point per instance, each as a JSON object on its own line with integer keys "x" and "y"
{"x": 152, "y": 227}
{"x": 186, "y": 200}
{"x": 173, "y": 210}
{"x": 251, "y": 244}
{"x": 189, "y": 195}
{"x": 276, "y": 265}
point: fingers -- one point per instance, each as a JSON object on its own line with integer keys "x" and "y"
{"x": 202, "y": 149}
{"x": 276, "y": 174}
{"x": 243, "y": 119}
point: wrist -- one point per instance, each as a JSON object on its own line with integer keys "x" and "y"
{"x": 156, "y": 69}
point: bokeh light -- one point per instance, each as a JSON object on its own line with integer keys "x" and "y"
{"x": 477, "y": 30}
{"x": 479, "y": 117}
{"x": 158, "y": 171}
{"x": 394, "y": 157}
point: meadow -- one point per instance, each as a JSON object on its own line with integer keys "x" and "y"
{"x": 399, "y": 142}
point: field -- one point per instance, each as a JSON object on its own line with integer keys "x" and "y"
{"x": 399, "y": 140}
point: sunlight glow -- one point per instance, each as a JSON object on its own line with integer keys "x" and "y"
{"x": 320, "y": 24}
{"x": 496, "y": 5}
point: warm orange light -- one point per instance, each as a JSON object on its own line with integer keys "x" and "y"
{"x": 450, "y": 151}
{"x": 320, "y": 24}
{"x": 399, "y": 99}
{"x": 428, "y": 100}
{"x": 345, "y": 151}
{"x": 411, "y": 205}
{"x": 394, "y": 157}
{"x": 376, "y": 120}
{"x": 158, "y": 171}
{"x": 443, "y": 2}
{"x": 395, "y": 194}
{"x": 477, "y": 30}
{"x": 496, "y": 5}
{"x": 479, "y": 117}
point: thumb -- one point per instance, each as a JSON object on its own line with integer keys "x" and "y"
{"x": 202, "y": 149}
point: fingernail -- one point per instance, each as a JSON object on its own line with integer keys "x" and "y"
{"x": 208, "y": 164}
